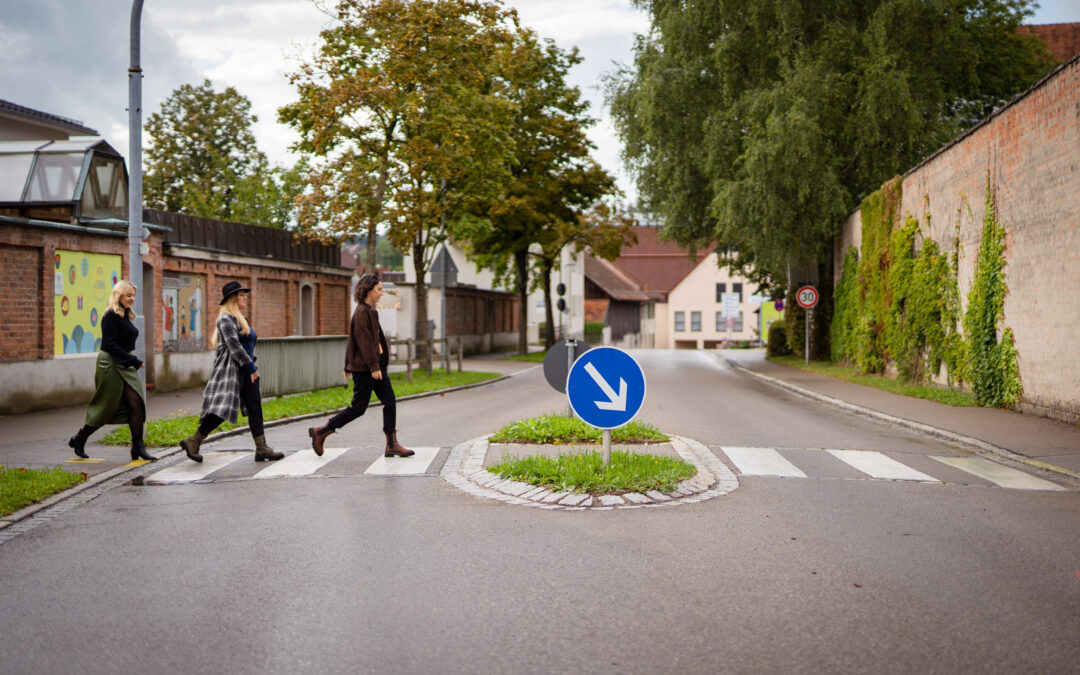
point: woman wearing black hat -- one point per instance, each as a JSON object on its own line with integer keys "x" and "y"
{"x": 234, "y": 379}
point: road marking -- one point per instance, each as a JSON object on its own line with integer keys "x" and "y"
{"x": 88, "y": 460}
{"x": 761, "y": 462}
{"x": 996, "y": 473}
{"x": 300, "y": 463}
{"x": 404, "y": 466}
{"x": 877, "y": 465}
{"x": 188, "y": 471}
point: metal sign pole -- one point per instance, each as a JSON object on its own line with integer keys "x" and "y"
{"x": 135, "y": 224}
{"x": 807, "y": 350}
{"x": 605, "y": 452}
{"x": 570, "y": 345}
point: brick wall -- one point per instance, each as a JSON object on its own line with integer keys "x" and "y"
{"x": 20, "y": 334}
{"x": 333, "y": 307}
{"x": 1031, "y": 150}
{"x": 272, "y": 300}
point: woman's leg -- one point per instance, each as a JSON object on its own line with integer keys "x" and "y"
{"x": 362, "y": 385}
{"x": 136, "y": 421}
{"x": 385, "y": 392}
{"x": 252, "y": 398}
{"x": 78, "y": 441}
{"x": 191, "y": 444}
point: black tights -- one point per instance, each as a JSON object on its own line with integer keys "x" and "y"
{"x": 136, "y": 414}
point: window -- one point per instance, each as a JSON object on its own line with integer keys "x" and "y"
{"x": 738, "y": 322}
{"x": 680, "y": 322}
{"x": 721, "y": 322}
{"x": 695, "y": 322}
{"x": 720, "y": 290}
{"x": 737, "y": 289}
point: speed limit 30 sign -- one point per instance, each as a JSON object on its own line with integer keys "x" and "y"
{"x": 807, "y": 297}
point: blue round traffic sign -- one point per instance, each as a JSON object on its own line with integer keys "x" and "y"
{"x": 606, "y": 387}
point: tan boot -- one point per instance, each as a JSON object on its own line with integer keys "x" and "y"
{"x": 318, "y": 437}
{"x": 393, "y": 448}
{"x": 263, "y": 452}
{"x": 191, "y": 446}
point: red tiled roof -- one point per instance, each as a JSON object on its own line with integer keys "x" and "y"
{"x": 1062, "y": 39}
{"x": 658, "y": 265}
{"x": 617, "y": 283}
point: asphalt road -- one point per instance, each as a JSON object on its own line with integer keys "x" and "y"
{"x": 347, "y": 572}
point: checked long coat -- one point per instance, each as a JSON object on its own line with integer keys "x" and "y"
{"x": 222, "y": 394}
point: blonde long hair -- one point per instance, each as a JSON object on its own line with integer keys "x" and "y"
{"x": 121, "y": 287}
{"x": 232, "y": 307}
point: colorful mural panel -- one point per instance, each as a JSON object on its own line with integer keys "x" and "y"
{"x": 82, "y": 285}
{"x": 182, "y": 316}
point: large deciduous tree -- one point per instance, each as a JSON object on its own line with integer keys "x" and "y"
{"x": 399, "y": 115}
{"x": 553, "y": 180}
{"x": 759, "y": 126}
{"x": 203, "y": 160}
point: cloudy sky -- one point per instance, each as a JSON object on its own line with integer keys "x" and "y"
{"x": 70, "y": 57}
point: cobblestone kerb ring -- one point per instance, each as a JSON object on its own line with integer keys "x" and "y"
{"x": 464, "y": 469}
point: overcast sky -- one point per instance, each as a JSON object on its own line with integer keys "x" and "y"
{"x": 70, "y": 57}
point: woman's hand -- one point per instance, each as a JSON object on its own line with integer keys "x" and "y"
{"x": 376, "y": 374}
{"x": 346, "y": 376}
{"x": 254, "y": 376}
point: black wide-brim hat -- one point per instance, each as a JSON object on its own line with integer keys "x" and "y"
{"x": 230, "y": 289}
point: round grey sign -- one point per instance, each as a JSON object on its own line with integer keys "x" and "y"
{"x": 559, "y": 359}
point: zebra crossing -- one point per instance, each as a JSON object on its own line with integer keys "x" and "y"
{"x": 749, "y": 461}
{"x": 232, "y": 465}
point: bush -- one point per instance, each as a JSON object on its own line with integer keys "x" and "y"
{"x": 778, "y": 343}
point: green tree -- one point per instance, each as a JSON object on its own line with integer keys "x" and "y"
{"x": 761, "y": 125}
{"x": 398, "y": 112}
{"x": 203, "y": 160}
{"x": 553, "y": 180}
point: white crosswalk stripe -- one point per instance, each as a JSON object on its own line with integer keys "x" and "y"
{"x": 1001, "y": 475}
{"x": 772, "y": 462}
{"x": 189, "y": 472}
{"x": 877, "y": 465}
{"x": 762, "y": 462}
{"x": 297, "y": 464}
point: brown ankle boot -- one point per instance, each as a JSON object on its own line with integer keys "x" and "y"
{"x": 191, "y": 446}
{"x": 393, "y": 448}
{"x": 318, "y": 437}
{"x": 264, "y": 452}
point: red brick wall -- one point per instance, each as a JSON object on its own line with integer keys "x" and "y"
{"x": 332, "y": 302}
{"x": 271, "y": 298}
{"x": 1031, "y": 150}
{"x": 20, "y": 333}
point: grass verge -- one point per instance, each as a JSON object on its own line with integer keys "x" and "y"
{"x": 169, "y": 431}
{"x": 22, "y": 487}
{"x": 584, "y": 472}
{"x": 953, "y": 397}
{"x": 531, "y": 357}
{"x": 560, "y": 429}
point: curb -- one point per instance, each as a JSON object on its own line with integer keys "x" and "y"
{"x": 464, "y": 469}
{"x": 937, "y": 432}
{"x": 32, "y": 509}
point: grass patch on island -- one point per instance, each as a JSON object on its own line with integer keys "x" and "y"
{"x": 22, "y": 487}
{"x": 169, "y": 431}
{"x": 584, "y": 471}
{"x": 953, "y": 397}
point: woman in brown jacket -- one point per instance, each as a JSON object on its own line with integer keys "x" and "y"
{"x": 366, "y": 358}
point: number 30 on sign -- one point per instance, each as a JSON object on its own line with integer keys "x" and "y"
{"x": 807, "y": 297}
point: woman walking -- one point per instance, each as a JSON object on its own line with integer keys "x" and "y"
{"x": 366, "y": 359}
{"x": 234, "y": 380}
{"x": 118, "y": 396}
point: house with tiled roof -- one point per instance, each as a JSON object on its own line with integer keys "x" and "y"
{"x": 657, "y": 294}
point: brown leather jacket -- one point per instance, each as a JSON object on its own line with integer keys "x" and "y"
{"x": 365, "y": 336}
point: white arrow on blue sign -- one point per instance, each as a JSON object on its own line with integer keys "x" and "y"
{"x": 606, "y": 387}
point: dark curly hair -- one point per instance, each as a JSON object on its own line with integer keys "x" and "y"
{"x": 364, "y": 286}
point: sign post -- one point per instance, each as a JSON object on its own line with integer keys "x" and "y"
{"x": 807, "y": 298}
{"x": 606, "y": 388}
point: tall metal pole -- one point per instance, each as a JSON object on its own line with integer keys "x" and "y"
{"x": 135, "y": 224}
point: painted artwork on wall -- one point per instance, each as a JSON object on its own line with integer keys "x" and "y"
{"x": 182, "y": 319}
{"x": 82, "y": 284}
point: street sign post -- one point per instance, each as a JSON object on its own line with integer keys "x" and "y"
{"x": 606, "y": 388}
{"x": 807, "y": 298}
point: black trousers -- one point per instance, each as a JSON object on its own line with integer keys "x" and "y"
{"x": 363, "y": 385}
{"x": 250, "y": 400}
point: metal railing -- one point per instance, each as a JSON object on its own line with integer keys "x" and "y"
{"x": 414, "y": 355}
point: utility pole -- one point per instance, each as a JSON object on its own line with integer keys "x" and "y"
{"x": 136, "y": 233}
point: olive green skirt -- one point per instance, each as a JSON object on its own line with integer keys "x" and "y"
{"x": 108, "y": 406}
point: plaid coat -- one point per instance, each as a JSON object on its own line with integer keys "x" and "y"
{"x": 222, "y": 394}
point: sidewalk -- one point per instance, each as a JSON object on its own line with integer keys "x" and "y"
{"x": 38, "y": 440}
{"x": 1036, "y": 441}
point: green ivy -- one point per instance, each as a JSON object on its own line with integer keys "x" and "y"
{"x": 995, "y": 378}
{"x": 845, "y": 319}
{"x": 879, "y": 213}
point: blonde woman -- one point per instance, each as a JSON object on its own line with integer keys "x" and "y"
{"x": 234, "y": 380}
{"x": 118, "y": 395}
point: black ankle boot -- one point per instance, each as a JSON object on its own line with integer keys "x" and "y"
{"x": 78, "y": 441}
{"x": 139, "y": 452}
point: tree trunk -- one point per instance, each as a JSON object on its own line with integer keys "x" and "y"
{"x": 421, "y": 302}
{"x": 369, "y": 259}
{"x": 521, "y": 267}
